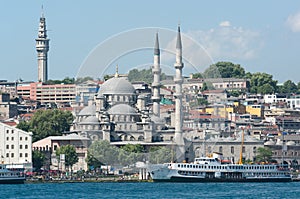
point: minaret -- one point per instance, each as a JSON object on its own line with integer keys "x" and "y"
{"x": 42, "y": 48}
{"x": 178, "y": 79}
{"x": 156, "y": 71}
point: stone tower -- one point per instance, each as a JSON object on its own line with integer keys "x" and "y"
{"x": 178, "y": 79}
{"x": 156, "y": 71}
{"x": 42, "y": 48}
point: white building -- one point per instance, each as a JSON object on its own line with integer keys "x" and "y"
{"x": 15, "y": 147}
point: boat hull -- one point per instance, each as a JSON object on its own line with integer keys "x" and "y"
{"x": 12, "y": 181}
{"x": 187, "y": 179}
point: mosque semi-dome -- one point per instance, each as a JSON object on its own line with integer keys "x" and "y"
{"x": 89, "y": 110}
{"x": 116, "y": 85}
{"x": 122, "y": 109}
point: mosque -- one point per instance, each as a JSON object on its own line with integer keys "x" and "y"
{"x": 120, "y": 115}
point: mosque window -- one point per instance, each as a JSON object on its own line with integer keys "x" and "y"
{"x": 232, "y": 150}
{"x": 220, "y": 149}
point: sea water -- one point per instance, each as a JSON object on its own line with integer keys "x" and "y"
{"x": 151, "y": 190}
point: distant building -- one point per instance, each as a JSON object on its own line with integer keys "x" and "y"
{"x": 15, "y": 147}
{"x": 7, "y": 109}
{"x": 44, "y": 93}
{"x": 50, "y": 144}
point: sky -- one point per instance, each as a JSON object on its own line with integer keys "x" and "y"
{"x": 261, "y": 36}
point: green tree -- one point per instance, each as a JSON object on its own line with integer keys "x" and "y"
{"x": 143, "y": 75}
{"x": 288, "y": 87}
{"x": 159, "y": 155}
{"x": 224, "y": 70}
{"x": 103, "y": 152}
{"x": 204, "y": 87}
{"x": 38, "y": 159}
{"x": 46, "y": 123}
{"x": 71, "y": 156}
{"x": 133, "y": 148}
{"x": 92, "y": 161}
{"x": 197, "y": 76}
{"x": 83, "y": 79}
{"x": 262, "y": 83}
{"x": 264, "y": 154}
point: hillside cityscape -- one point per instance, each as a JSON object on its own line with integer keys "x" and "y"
{"x": 121, "y": 122}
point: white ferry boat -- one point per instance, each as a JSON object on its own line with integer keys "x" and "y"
{"x": 211, "y": 169}
{"x": 8, "y": 176}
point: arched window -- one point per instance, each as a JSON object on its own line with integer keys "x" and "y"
{"x": 220, "y": 149}
{"x": 232, "y": 150}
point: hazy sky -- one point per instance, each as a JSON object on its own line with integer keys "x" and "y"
{"x": 262, "y": 36}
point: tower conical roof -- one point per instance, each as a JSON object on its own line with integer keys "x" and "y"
{"x": 178, "y": 44}
{"x": 156, "y": 47}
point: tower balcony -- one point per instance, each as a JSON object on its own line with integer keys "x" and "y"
{"x": 155, "y": 84}
{"x": 178, "y": 65}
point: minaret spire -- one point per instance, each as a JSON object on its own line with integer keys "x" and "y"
{"x": 178, "y": 79}
{"x": 156, "y": 71}
{"x": 42, "y": 48}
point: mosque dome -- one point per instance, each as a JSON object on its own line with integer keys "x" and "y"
{"x": 270, "y": 143}
{"x": 90, "y": 120}
{"x": 291, "y": 143}
{"x": 89, "y": 110}
{"x": 157, "y": 120}
{"x": 116, "y": 85}
{"x": 121, "y": 109}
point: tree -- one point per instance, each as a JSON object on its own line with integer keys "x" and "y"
{"x": 262, "y": 83}
{"x": 71, "y": 156}
{"x": 46, "y": 123}
{"x": 288, "y": 87}
{"x": 197, "y": 76}
{"x": 143, "y": 75}
{"x": 103, "y": 152}
{"x": 159, "y": 155}
{"x": 38, "y": 159}
{"x": 92, "y": 161}
{"x": 224, "y": 70}
{"x": 83, "y": 79}
{"x": 264, "y": 154}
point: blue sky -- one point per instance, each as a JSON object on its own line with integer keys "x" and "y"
{"x": 262, "y": 36}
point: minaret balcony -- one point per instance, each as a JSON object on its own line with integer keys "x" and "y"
{"x": 178, "y": 65}
{"x": 155, "y": 99}
{"x": 178, "y": 80}
{"x": 156, "y": 70}
{"x": 155, "y": 84}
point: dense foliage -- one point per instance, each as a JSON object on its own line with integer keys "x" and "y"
{"x": 71, "y": 156}
{"x": 46, "y": 123}
{"x": 102, "y": 153}
{"x": 264, "y": 154}
{"x": 67, "y": 80}
{"x": 224, "y": 70}
{"x": 263, "y": 83}
{"x": 142, "y": 75}
{"x": 38, "y": 159}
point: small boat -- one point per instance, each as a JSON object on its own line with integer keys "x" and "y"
{"x": 211, "y": 169}
{"x": 10, "y": 176}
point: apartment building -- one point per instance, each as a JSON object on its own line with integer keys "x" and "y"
{"x": 56, "y": 93}
{"x": 15, "y": 147}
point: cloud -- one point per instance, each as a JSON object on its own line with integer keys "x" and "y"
{"x": 225, "y": 24}
{"x": 293, "y": 22}
{"x": 229, "y": 42}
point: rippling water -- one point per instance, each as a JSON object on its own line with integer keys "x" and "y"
{"x": 152, "y": 190}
